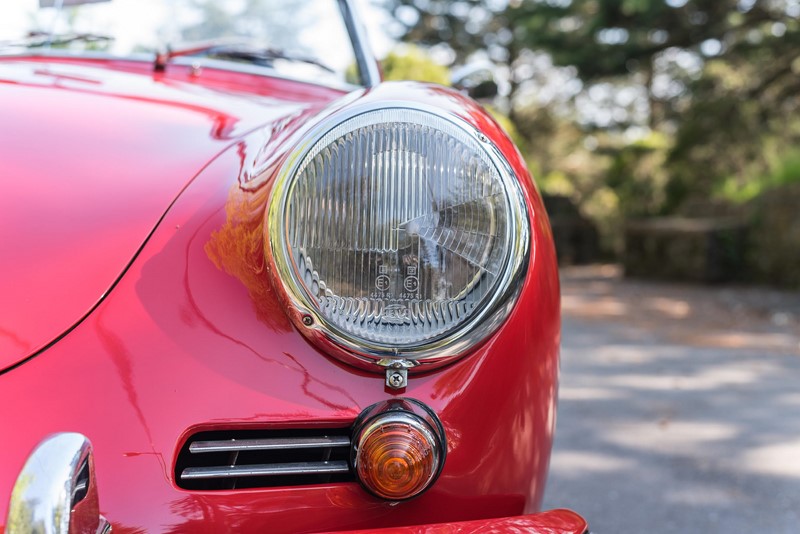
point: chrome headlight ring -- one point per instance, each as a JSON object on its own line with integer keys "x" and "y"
{"x": 357, "y": 287}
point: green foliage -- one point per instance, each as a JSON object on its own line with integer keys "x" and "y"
{"x": 736, "y": 131}
{"x": 465, "y": 24}
{"x": 412, "y": 63}
{"x": 509, "y": 127}
{"x": 719, "y": 82}
{"x": 637, "y": 176}
{"x": 783, "y": 173}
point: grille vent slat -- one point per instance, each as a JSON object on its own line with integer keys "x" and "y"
{"x": 297, "y": 468}
{"x": 254, "y": 459}
{"x": 232, "y": 445}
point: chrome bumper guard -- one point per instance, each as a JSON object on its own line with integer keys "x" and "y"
{"x": 56, "y": 492}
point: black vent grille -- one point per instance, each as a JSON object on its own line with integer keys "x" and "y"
{"x": 262, "y": 459}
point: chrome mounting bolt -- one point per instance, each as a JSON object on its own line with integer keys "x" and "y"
{"x": 396, "y": 372}
{"x": 396, "y": 378}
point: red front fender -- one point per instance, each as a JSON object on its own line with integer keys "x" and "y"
{"x": 552, "y": 522}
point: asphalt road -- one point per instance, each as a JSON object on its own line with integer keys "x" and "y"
{"x": 679, "y": 407}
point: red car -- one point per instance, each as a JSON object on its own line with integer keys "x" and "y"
{"x": 248, "y": 287}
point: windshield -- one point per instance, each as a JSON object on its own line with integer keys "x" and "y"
{"x": 305, "y": 39}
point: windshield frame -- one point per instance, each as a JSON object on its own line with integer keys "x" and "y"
{"x": 368, "y": 70}
{"x": 365, "y": 58}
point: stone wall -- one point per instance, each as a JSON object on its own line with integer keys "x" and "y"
{"x": 576, "y": 237}
{"x": 774, "y": 239}
{"x": 675, "y": 248}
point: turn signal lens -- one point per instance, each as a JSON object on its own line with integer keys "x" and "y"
{"x": 398, "y": 455}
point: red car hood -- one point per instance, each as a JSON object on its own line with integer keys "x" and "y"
{"x": 91, "y": 156}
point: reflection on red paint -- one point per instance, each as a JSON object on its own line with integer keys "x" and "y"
{"x": 79, "y": 197}
{"x": 193, "y": 337}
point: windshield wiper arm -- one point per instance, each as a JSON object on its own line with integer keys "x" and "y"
{"x": 235, "y": 51}
{"x": 40, "y": 39}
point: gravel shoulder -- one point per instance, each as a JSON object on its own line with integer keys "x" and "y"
{"x": 679, "y": 407}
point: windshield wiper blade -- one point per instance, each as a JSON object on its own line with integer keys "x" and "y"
{"x": 43, "y": 39}
{"x": 235, "y": 51}
{"x": 267, "y": 55}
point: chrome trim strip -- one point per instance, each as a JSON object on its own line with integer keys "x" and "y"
{"x": 367, "y": 63}
{"x": 272, "y": 444}
{"x": 265, "y": 470}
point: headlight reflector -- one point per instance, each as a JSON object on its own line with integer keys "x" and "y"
{"x": 400, "y": 231}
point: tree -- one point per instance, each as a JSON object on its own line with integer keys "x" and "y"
{"x": 719, "y": 78}
{"x": 412, "y": 63}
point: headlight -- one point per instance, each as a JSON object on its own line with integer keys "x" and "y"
{"x": 398, "y": 233}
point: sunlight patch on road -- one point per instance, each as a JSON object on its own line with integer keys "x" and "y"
{"x": 579, "y": 463}
{"x": 791, "y": 399}
{"x": 674, "y": 437}
{"x": 718, "y": 377}
{"x": 588, "y": 393}
{"x": 746, "y": 340}
{"x": 779, "y": 459}
{"x": 698, "y": 494}
{"x": 675, "y": 309}
{"x": 593, "y": 307}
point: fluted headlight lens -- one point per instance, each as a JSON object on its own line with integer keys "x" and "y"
{"x": 397, "y": 229}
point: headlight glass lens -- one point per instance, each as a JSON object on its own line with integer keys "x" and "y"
{"x": 396, "y": 228}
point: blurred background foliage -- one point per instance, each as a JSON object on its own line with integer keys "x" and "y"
{"x": 413, "y": 63}
{"x": 634, "y": 108}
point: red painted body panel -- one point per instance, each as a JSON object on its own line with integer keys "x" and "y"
{"x": 552, "y": 522}
{"x": 193, "y": 337}
{"x": 91, "y": 158}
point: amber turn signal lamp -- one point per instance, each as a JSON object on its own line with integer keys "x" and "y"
{"x": 398, "y": 449}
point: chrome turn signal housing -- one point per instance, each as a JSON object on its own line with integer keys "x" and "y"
{"x": 399, "y": 449}
{"x": 56, "y": 492}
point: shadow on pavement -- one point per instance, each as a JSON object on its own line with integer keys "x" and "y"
{"x": 665, "y": 424}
